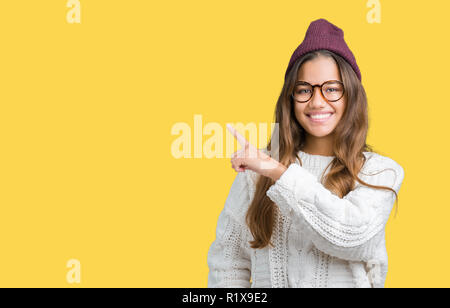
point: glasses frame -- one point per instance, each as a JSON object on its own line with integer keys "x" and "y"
{"x": 321, "y": 90}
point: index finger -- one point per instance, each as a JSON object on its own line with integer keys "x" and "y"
{"x": 241, "y": 139}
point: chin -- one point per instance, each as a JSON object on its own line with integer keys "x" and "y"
{"x": 320, "y": 135}
{"x": 318, "y": 132}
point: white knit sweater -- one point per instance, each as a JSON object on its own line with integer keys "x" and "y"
{"x": 320, "y": 240}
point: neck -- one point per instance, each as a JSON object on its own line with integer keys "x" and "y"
{"x": 319, "y": 145}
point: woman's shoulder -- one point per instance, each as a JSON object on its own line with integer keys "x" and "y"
{"x": 378, "y": 165}
{"x": 376, "y": 162}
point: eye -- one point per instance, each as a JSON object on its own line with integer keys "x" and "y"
{"x": 301, "y": 91}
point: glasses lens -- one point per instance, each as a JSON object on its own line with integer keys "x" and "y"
{"x": 302, "y": 92}
{"x": 333, "y": 90}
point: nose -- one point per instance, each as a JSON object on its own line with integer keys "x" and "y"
{"x": 317, "y": 100}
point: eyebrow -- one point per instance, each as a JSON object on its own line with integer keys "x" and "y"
{"x": 303, "y": 81}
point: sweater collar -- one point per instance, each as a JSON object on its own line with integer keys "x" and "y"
{"x": 315, "y": 161}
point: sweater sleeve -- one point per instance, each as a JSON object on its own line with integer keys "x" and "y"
{"x": 350, "y": 228}
{"x": 228, "y": 256}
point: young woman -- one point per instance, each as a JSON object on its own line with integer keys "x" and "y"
{"x": 316, "y": 217}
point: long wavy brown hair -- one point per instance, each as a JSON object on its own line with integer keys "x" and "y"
{"x": 349, "y": 145}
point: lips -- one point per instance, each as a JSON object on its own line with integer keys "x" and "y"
{"x": 321, "y": 119}
{"x": 318, "y": 113}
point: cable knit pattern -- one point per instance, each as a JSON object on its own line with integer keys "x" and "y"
{"x": 320, "y": 240}
{"x": 278, "y": 255}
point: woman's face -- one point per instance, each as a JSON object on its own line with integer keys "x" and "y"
{"x": 316, "y": 72}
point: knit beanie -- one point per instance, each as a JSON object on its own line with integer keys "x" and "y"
{"x": 322, "y": 34}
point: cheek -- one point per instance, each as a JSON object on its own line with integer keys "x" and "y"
{"x": 300, "y": 114}
{"x": 339, "y": 113}
{"x": 340, "y": 108}
{"x": 337, "y": 118}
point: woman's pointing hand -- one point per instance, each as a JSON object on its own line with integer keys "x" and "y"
{"x": 249, "y": 157}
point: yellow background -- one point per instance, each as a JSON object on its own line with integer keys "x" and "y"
{"x": 87, "y": 109}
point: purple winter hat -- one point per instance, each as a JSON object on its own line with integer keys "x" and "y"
{"x": 322, "y": 34}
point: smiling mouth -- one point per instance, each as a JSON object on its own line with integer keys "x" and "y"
{"x": 322, "y": 118}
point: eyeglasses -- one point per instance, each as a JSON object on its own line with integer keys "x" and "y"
{"x": 331, "y": 90}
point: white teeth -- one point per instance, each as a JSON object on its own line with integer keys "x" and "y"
{"x": 321, "y": 116}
